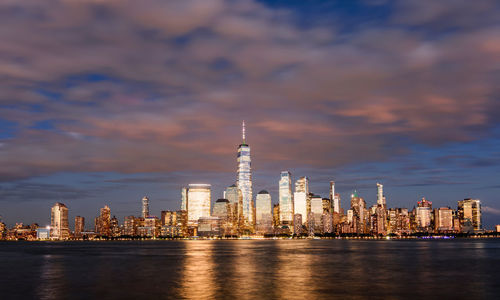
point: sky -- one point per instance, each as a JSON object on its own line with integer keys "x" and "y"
{"x": 105, "y": 101}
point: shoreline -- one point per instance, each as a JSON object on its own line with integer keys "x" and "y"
{"x": 269, "y": 238}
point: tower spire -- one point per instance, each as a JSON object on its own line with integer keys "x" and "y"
{"x": 243, "y": 131}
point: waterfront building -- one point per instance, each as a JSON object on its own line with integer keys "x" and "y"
{"x": 334, "y": 198}
{"x": 145, "y": 207}
{"x": 166, "y": 218}
{"x": 263, "y": 212}
{"x": 497, "y": 228}
{"x": 3, "y": 229}
{"x": 150, "y": 228}
{"x": 209, "y": 227}
{"x": 469, "y": 214}
{"x": 244, "y": 178}
{"x": 235, "y": 197}
{"x": 43, "y": 233}
{"x": 184, "y": 198}
{"x": 327, "y": 222}
{"x": 198, "y": 204}
{"x": 276, "y": 215}
{"x": 222, "y": 209}
{"x": 360, "y": 215}
{"x": 327, "y": 206}
{"x": 130, "y": 225}
{"x": 79, "y": 226}
{"x": 286, "y": 199}
{"x": 59, "y": 225}
{"x": 423, "y": 215}
{"x": 300, "y": 197}
{"x": 444, "y": 219}
{"x": 316, "y": 213}
{"x": 103, "y": 222}
{"x": 380, "y": 195}
{"x": 297, "y": 224}
{"x": 115, "y": 227}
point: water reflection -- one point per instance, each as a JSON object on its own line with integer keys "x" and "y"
{"x": 294, "y": 272}
{"x": 198, "y": 274}
{"x": 51, "y": 278}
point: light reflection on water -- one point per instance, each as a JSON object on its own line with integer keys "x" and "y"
{"x": 268, "y": 269}
{"x": 198, "y": 271}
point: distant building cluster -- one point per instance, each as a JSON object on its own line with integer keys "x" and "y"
{"x": 299, "y": 213}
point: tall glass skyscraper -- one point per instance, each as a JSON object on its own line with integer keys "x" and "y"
{"x": 145, "y": 207}
{"x": 184, "y": 198}
{"x": 244, "y": 178}
{"x": 59, "y": 227}
{"x": 300, "y": 197}
{"x": 286, "y": 198}
{"x": 198, "y": 205}
{"x": 263, "y": 211}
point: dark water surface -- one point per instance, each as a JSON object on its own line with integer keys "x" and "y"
{"x": 251, "y": 269}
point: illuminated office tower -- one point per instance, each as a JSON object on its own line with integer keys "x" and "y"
{"x": 79, "y": 225}
{"x": 469, "y": 214}
{"x": 145, "y": 207}
{"x": 234, "y": 196}
{"x": 130, "y": 226}
{"x": 316, "y": 213}
{"x": 115, "y": 227}
{"x": 423, "y": 214}
{"x": 380, "y": 194}
{"x": 198, "y": 205}
{"x": 286, "y": 198}
{"x": 334, "y": 198}
{"x": 263, "y": 212}
{"x": 59, "y": 226}
{"x": 184, "y": 198}
{"x": 103, "y": 222}
{"x": 359, "y": 214}
{"x": 444, "y": 219}
{"x": 244, "y": 178}
{"x": 222, "y": 209}
{"x": 300, "y": 197}
{"x": 276, "y": 215}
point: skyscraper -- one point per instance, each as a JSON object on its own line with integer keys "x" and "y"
{"x": 334, "y": 198}
{"x": 199, "y": 204}
{"x": 59, "y": 226}
{"x": 423, "y": 214}
{"x": 286, "y": 198}
{"x": 469, "y": 214}
{"x": 300, "y": 197}
{"x": 145, "y": 207}
{"x": 263, "y": 212}
{"x": 380, "y": 194}
{"x": 222, "y": 209}
{"x": 79, "y": 225}
{"x": 235, "y": 197}
{"x": 184, "y": 198}
{"x": 244, "y": 178}
{"x": 103, "y": 222}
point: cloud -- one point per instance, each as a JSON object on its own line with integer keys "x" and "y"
{"x": 162, "y": 86}
{"x": 491, "y": 210}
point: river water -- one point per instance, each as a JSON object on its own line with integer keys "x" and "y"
{"x": 251, "y": 269}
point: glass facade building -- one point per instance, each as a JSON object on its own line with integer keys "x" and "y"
{"x": 244, "y": 178}
{"x": 286, "y": 198}
{"x": 198, "y": 205}
{"x": 469, "y": 213}
{"x": 145, "y": 207}
{"x": 263, "y": 212}
{"x": 59, "y": 226}
{"x": 300, "y": 197}
{"x": 184, "y": 198}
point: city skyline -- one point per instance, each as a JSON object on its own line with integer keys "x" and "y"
{"x": 297, "y": 207}
{"x": 104, "y": 102}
